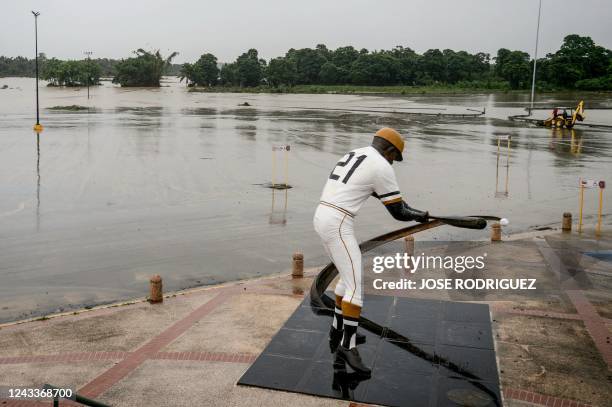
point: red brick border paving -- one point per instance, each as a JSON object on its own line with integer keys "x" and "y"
{"x": 594, "y": 324}
{"x": 64, "y": 357}
{"x": 95, "y": 356}
{"x": 107, "y": 379}
{"x": 276, "y": 291}
{"x": 207, "y": 356}
{"x": 541, "y": 399}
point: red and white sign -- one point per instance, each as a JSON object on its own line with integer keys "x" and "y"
{"x": 591, "y": 183}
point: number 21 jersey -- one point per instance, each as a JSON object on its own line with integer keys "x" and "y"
{"x": 357, "y": 176}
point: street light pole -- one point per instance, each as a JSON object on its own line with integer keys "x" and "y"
{"x": 535, "y": 58}
{"x": 37, "y": 127}
{"x": 88, "y": 53}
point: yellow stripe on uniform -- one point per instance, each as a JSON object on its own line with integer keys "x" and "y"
{"x": 350, "y": 310}
{"x": 338, "y": 301}
{"x": 393, "y": 201}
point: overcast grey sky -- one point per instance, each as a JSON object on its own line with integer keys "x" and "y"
{"x": 226, "y": 28}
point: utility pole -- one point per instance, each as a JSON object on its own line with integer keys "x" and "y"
{"x": 535, "y": 58}
{"x": 37, "y": 127}
{"x": 88, "y": 53}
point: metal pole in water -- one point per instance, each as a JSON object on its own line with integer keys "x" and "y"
{"x": 599, "y": 210}
{"x": 37, "y": 126}
{"x": 273, "y": 166}
{"x": 535, "y": 58}
{"x": 497, "y": 167}
{"x": 36, "y": 56}
{"x": 88, "y": 53}
{"x": 286, "y": 167}
{"x": 507, "y": 167}
{"x": 581, "y": 206}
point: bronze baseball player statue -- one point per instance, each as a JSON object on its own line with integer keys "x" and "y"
{"x": 361, "y": 173}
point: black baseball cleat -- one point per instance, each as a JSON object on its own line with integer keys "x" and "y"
{"x": 335, "y": 337}
{"x": 353, "y": 359}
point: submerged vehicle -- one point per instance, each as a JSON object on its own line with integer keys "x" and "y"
{"x": 560, "y": 118}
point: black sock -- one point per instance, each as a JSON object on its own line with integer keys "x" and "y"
{"x": 349, "y": 339}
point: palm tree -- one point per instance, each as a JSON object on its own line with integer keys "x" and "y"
{"x": 187, "y": 72}
{"x": 144, "y": 70}
{"x": 161, "y": 64}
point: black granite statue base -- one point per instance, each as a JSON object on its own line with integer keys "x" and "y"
{"x": 430, "y": 353}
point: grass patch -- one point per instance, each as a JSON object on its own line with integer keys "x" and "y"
{"x": 72, "y": 108}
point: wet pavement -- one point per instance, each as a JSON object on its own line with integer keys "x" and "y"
{"x": 168, "y": 181}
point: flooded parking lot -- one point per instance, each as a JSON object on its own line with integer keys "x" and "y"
{"x": 166, "y": 181}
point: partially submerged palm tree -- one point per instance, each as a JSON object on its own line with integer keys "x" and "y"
{"x": 187, "y": 71}
{"x": 160, "y": 63}
{"x": 144, "y": 70}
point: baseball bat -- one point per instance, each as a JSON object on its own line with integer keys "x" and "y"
{"x": 468, "y": 222}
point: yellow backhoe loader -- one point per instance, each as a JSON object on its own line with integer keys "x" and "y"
{"x": 561, "y": 119}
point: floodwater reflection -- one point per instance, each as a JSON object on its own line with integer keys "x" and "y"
{"x": 37, "y": 181}
{"x": 503, "y": 193}
{"x": 564, "y": 141}
{"x": 278, "y": 213}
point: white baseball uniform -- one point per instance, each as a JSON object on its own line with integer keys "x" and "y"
{"x": 357, "y": 176}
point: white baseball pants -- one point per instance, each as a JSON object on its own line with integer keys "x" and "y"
{"x": 336, "y": 231}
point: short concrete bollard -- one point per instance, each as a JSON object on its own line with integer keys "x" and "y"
{"x": 409, "y": 245}
{"x": 298, "y": 265}
{"x": 496, "y": 232}
{"x": 566, "y": 226}
{"x": 156, "y": 295}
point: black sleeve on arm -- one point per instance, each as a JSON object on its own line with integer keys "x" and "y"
{"x": 401, "y": 211}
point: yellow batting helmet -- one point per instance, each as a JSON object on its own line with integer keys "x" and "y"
{"x": 393, "y": 137}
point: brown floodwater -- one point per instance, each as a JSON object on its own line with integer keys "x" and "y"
{"x": 166, "y": 181}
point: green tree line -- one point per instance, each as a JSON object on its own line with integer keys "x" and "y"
{"x": 24, "y": 67}
{"x": 74, "y": 72}
{"x": 18, "y": 66}
{"x": 579, "y": 63}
